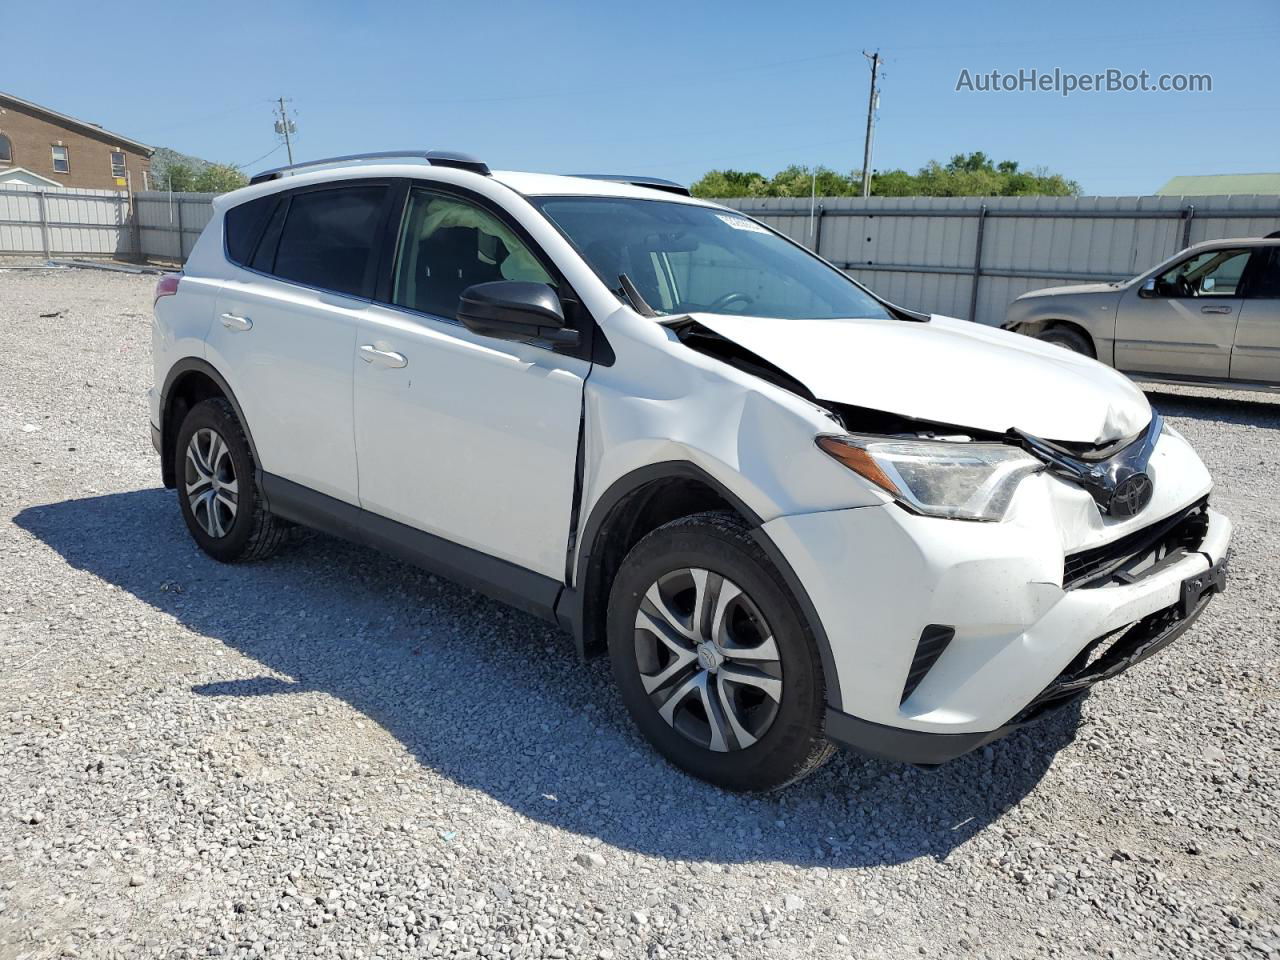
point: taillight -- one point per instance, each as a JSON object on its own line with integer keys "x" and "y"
{"x": 167, "y": 286}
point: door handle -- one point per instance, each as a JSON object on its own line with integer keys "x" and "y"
{"x": 1215, "y": 309}
{"x": 232, "y": 322}
{"x": 387, "y": 358}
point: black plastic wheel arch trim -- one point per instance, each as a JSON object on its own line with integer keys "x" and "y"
{"x": 570, "y": 609}
{"x": 176, "y": 372}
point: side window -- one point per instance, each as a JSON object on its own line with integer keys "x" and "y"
{"x": 1264, "y": 275}
{"x": 243, "y": 226}
{"x": 61, "y": 160}
{"x": 329, "y": 238}
{"x": 1215, "y": 273}
{"x": 117, "y": 164}
{"x": 6, "y": 150}
{"x": 447, "y": 245}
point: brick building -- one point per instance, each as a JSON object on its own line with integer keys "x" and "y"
{"x": 67, "y": 151}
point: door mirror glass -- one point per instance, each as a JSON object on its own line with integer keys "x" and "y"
{"x": 1149, "y": 287}
{"x": 519, "y": 310}
{"x": 1207, "y": 284}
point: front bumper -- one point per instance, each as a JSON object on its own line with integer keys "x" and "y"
{"x": 880, "y": 579}
{"x": 1144, "y": 638}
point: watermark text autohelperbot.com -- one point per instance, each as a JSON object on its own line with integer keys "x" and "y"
{"x": 1065, "y": 83}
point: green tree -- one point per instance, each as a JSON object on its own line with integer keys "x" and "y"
{"x": 964, "y": 175}
{"x": 178, "y": 177}
{"x": 219, "y": 178}
{"x": 730, "y": 183}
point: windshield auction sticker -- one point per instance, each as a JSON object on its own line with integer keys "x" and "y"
{"x": 742, "y": 223}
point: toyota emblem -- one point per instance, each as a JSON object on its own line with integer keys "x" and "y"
{"x": 1131, "y": 496}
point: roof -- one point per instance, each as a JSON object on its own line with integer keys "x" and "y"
{"x": 1220, "y": 184}
{"x": 68, "y": 121}
{"x": 459, "y": 168}
{"x": 23, "y": 175}
{"x": 551, "y": 184}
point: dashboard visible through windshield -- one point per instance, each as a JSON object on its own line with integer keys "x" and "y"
{"x": 685, "y": 258}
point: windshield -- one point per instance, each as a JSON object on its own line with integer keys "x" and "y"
{"x": 685, "y": 258}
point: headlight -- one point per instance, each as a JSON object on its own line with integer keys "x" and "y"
{"x": 960, "y": 480}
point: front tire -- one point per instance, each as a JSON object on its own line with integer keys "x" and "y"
{"x": 1068, "y": 339}
{"x": 713, "y": 659}
{"x": 217, "y": 487}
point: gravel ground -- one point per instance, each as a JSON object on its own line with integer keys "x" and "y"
{"x": 334, "y": 754}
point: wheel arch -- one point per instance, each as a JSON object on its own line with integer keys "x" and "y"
{"x": 190, "y": 381}
{"x": 1033, "y": 328}
{"x": 642, "y": 501}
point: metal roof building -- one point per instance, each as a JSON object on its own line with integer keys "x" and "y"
{"x": 1221, "y": 184}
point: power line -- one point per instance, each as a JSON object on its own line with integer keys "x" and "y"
{"x": 274, "y": 149}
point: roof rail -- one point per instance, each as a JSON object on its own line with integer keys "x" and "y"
{"x": 437, "y": 158}
{"x": 653, "y": 183}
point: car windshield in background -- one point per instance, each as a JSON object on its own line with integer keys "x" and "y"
{"x": 685, "y": 258}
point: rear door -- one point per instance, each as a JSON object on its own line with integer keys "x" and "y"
{"x": 1256, "y": 355}
{"x": 1183, "y": 321}
{"x": 284, "y": 331}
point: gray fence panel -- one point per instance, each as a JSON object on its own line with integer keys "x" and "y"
{"x": 960, "y": 256}
{"x": 46, "y": 221}
{"x": 924, "y": 252}
{"x": 168, "y": 224}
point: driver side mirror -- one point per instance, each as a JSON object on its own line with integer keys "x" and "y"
{"x": 1148, "y": 287}
{"x": 518, "y": 310}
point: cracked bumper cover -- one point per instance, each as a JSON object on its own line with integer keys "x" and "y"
{"x": 1019, "y": 635}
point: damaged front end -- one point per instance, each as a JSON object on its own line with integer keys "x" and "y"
{"x": 938, "y": 468}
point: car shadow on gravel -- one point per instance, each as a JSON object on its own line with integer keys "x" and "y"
{"x": 497, "y": 702}
{"x": 1241, "y": 408}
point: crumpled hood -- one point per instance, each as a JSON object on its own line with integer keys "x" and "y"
{"x": 948, "y": 371}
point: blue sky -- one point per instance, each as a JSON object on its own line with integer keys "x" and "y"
{"x": 665, "y": 88}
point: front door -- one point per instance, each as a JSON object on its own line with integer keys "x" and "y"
{"x": 467, "y": 437}
{"x": 1256, "y": 356}
{"x": 284, "y": 332}
{"x": 1182, "y": 322}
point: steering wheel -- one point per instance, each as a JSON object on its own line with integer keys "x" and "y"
{"x": 1185, "y": 287}
{"x": 733, "y": 296}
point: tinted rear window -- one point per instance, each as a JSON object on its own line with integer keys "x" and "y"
{"x": 244, "y": 225}
{"x": 329, "y": 237}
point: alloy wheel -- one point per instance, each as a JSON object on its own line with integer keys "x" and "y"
{"x": 212, "y": 490}
{"x": 707, "y": 659}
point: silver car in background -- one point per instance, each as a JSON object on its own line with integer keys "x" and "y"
{"x": 1210, "y": 314}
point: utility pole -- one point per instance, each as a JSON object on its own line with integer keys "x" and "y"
{"x": 285, "y": 126}
{"x": 873, "y": 101}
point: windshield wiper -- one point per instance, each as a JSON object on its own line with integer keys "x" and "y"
{"x": 631, "y": 293}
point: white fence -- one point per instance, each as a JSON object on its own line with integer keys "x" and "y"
{"x": 970, "y": 256}
{"x": 962, "y": 256}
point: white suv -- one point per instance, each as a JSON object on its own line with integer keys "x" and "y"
{"x": 794, "y": 513}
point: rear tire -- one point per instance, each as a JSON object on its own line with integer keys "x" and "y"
{"x": 217, "y": 487}
{"x": 735, "y": 696}
{"x": 1068, "y": 339}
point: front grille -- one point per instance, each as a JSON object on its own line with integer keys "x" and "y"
{"x": 1137, "y": 554}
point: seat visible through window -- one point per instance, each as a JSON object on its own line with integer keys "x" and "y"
{"x": 449, "y": 245}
